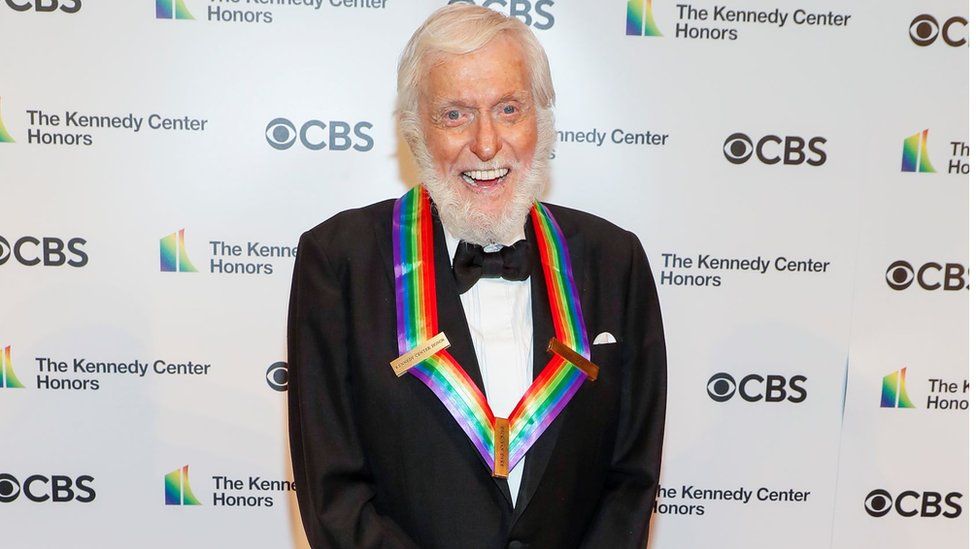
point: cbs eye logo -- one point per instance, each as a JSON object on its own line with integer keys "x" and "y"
{"x": 722, "y": 387}
{"x": 67, "y": 6}
{"x": 910, "y": 503}
{"x": 280, "y": 133}
{"x": 49, "y": 251}
{"x": 925, "y": 30}
{"x": 277, "y": 376}
{"x": 772, "y": 149}
{"x": 949, "y": 276}
{"x": 42, "y": 489}
{"x": 316, "y": 135}
{"x": 9, "y": 488}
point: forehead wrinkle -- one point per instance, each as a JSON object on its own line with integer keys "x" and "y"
{"x": 469, "y": 77}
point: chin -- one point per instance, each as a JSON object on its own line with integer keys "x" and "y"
{"x": 483, "y": 214}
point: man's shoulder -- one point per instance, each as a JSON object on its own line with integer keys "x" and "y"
{"x": 597, "y": 232}
{"x": 349, "y": 227}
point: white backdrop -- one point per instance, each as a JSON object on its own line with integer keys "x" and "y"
{"x": 775, "y": 435}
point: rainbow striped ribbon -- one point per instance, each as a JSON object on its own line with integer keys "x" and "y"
{"x": 416, "y": 301}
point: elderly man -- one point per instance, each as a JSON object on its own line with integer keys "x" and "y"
{"x": 469, "y": 367}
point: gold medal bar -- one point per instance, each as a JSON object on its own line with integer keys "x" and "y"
{"x": 591, "y": 370}
{"x": 501, "y": 448}
{"x": 419, "y": 354}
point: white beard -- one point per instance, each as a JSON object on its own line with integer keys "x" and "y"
{"x": 459, "y": 211}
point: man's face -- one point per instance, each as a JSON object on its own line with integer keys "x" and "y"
{"x": 479, "y": 122}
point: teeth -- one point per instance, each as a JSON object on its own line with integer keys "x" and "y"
{"x": 485, "y": 175}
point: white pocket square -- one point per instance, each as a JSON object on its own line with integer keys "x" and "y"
{"x": 604, "y": 338}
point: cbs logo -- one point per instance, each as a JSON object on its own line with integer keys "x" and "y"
{"x": 722, "y": 387}
{"x": 522, "y": 9}
{"x": 317, "y": 135}
{"x": 772, "y": 149}
{"x": 949, "y": 277}
{"x": 910, "y": 503}
{"x": 67, "y": 6}
{"x": 925, "y": 30}
{"x": 277, "y": 376}
{"x": 50, "y": 251}
{"x": 40, "y": 488}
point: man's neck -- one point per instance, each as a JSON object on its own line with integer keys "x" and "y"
{"x": 452, "y": 242}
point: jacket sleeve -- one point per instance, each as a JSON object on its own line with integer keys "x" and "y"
{"x": 623, "y": 517}
{"x": 333, "y": 483}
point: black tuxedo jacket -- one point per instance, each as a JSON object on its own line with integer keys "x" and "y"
{"x": 380, "y": 462}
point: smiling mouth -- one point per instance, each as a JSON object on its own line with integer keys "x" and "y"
{"x": 485, "y": 179}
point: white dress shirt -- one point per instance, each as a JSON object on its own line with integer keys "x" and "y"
{"x": 499, "y": 315}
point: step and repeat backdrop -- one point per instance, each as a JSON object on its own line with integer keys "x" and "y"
{"x": 797, "y": 172}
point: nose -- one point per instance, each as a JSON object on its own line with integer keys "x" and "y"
{"x": 486, "y": 141}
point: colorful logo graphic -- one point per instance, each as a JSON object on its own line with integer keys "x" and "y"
{"x": 172, "y": 9}
{"x": 915, "y": 154}
{"x": 640, "y": 19}
{"x": 176, "y": 486}
{"x": 172, "y": 254}
{"x": 893, "y": 391}
{"x": 8, "y": 379}
{"x": 4, "y": 134}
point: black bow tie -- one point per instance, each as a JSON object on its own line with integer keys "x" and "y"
{"x": 472, "y": 262}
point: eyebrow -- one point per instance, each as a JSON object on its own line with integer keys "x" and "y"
{"x": 441, "y": 104}
{"x": 521, "y": 97}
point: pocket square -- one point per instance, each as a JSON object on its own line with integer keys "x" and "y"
{"x": 603, "y": 338}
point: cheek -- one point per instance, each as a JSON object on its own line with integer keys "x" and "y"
{"x": 444, "y": 149}
{"x": 524, "y": 141}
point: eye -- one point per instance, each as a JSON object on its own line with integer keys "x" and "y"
{"x": 277, "y": 376}
{"x": 454, "y": 117}
{"x": 509, "y": 109}
{"x": 280, "y": 133}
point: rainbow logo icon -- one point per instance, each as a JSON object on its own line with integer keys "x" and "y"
{"x": 172, "y": 9}
{"x": 176, "y": 486}
{"x": 915, "y": 154}
{"x": 640, "y": 19}
{"x": 8, "y": 379}
{"x": 893, "y": 391}
{"x": 4, "y": 134}
{"x": 172, "y": 254}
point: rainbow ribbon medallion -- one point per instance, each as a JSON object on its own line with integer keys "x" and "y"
{"x": 416, "y": 303}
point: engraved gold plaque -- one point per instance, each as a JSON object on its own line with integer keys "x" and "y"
{"x": 591, "y": 370}
{"x": 501, "y": 448}
{"x": 419, "y": 354}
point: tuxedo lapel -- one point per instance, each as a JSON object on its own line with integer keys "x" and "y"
{"x": 384, "y": 241}
{"x": 538, "y": 455}
{"x": 450, "y": 313}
